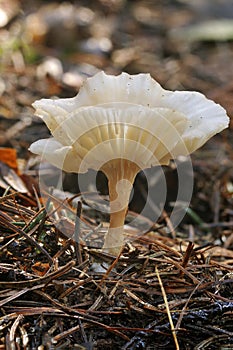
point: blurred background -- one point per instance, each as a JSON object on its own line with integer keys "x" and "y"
{"x": 47, "y": 48}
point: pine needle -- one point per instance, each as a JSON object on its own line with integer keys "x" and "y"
{"x": 167, "y": 308}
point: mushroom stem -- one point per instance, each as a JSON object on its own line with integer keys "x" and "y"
{"x": 120, "y": 174}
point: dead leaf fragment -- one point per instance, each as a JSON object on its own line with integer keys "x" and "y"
{"x": 40, "y": 268}
{"x": 8, "y": 177}
{"x": 9, "y": 157}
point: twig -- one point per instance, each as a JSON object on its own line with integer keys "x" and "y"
{"x": 7, "y": 196}
{"x": 77, "y": 234}
{"x": 12, "y": 332}
{"x": 139, "y": 300}
{"x": 110, "y": 268}
{"x": 180, "y": 267}
{"x": 178, "y": 323}
{"x": 6, "y": 223}
{"x": 114, "y": 330}
{"x": 45, "y": 279}
{"x": 187, "y": 255}
{"x": 169, "y": 224}
{"x": 168, "y": 310}
{"x": 16, "y": 295}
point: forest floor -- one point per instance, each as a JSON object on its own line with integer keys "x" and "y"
{"x": 169, "y": 289}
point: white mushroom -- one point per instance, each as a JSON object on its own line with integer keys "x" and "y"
{"x": 121, "y": 125}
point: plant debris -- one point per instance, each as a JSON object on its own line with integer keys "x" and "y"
{"x": 128, "y": 303}
{"x": 164, "y": 290}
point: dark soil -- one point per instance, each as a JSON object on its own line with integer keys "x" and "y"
{"x": 165, "y": 288}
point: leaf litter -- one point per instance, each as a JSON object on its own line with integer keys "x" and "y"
{"x": 164, "y": 291}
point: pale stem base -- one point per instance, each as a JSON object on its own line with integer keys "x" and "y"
{"x": 121, "y": 174}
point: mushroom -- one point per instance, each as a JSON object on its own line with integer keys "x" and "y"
{"x": 121, "y": 125}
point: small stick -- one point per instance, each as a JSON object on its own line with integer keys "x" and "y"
{"x": 185, "y": 305}
{"x": 13, "y": 330}
{"x": 167, "y": 308}
{"x": 187, "y": 256}
{"x": 77, "y": 234}
{"x": 36, "y": 281}
{"x": 6, "y": 223}
{"x": 111, "y": 267}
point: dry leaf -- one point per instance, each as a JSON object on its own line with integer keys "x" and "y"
{"x": 8, "y": 177}
{"x": 9, "y": 157}
{"x": 40, "y": 268}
